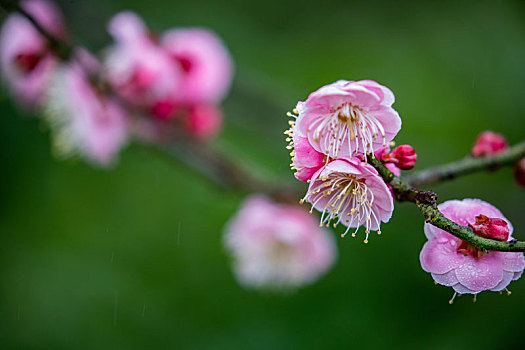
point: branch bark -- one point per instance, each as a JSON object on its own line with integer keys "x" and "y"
{"x": 228, "y": 174}
{"x": 465, "y": 166}
{"x": 426, "y": 201}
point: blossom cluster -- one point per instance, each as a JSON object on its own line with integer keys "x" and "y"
{"x": 334, "y": 131}
{"x": 337, "y": 129}
{"x": 177, "y": 78}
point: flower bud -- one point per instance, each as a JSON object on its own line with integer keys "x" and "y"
{"x": 492, "y": 228}
{"x": 403, "y": 156}
{"x": 204, "y": 121}
{"x": 519, "y": 172}
{"x": 488, "y": 143}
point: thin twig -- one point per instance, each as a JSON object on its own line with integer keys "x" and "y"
{"x": 221, "y": 170}
{"x": 465, "y": 166}
{"x": 426, "y": 201}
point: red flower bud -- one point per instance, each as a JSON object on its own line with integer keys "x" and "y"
{"x": 488, "y": 143}
{"x": 163, "y": 109}
{"x": 403, "y": 156}
{"x": 27, "y": 62}
{"x": 492, "y": 228}
{"x": 519, "y": 172}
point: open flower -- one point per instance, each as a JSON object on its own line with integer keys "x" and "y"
{"x": 350, "y": 192}
{"x": 348, "y": 118}
{"x": 27, "y": 62}
{"x": 277, "y": 246}
{"x": 205, "y": 63}
{"x": 139, "y": 70}
{"x": 457, "y": 264}
{"x": 84, "y": 121}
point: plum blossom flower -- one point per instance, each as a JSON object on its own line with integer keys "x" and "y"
{"x": 205, "y": 63}
{"x": 27, "y": 62}
{"x": 350, "y": 192}
{"x": 463, "y": 267}
{"x": 488, "y": 143}
{"x": 84, "y": 121}
{"x": 348, "y": 118}
{"x": 277, "y": 246}
{"x": 138, "y": 69}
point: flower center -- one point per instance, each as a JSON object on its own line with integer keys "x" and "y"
{"x": 466, "y": 249}
{"x": 343, "y": 198}
{"x": 348, "y": 126}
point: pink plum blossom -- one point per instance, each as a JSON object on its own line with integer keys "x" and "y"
{"x": 350, "y": 192}
{"x": 84, "y": 121}
{"x": 488, "y": 143}
{"x": 277, "y": 246}
{"x": 138, "y": 69}
{"x": 453, "y": 264}
{"x": 27, "y": 62}
{"x": 348, "y": 118}
{"x": 204, "y": 121}
{"x": 206, "y": 65}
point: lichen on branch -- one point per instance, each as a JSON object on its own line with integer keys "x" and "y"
{"x": 426, "y": 201}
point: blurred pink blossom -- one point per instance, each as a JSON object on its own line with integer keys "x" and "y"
{"x": 206, "y": 65}
{"x": 26, "y": 60}
{"x": 488, "y": 143}
{"x": 277, "y": 246}
{"x": 348, "y": 118}
{"x": 452, "y": 263}
{"x": 84, "y": 120}
{"x": 138, "y": 69}
{"x": 350, "y": 192}
{"x": 204, "y": 121}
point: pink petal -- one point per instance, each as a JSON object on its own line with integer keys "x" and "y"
{"x": 507, "y": 278}
{"x": 448, "y": 279}
{"x": 440, "y": 258}
{"x": 480, "y": 274}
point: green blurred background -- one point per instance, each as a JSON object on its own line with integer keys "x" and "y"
{"x": 131, "y": 258}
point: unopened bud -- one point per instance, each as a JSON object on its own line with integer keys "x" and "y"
{"x": 493, "y": 228}
{"x": 403, "y": 156}
{"x": 27, "y": 62}
{"x": 488, "y": 143}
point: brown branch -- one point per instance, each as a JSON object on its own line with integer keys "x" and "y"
{"x": 229, "y": 174}
{"x": 465, "y": 166}
{"x": 426, "y": 201}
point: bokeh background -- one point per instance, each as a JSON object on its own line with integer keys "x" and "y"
{"x": 131, "y": 258}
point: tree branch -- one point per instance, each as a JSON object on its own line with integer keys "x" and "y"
{"x": 465, "y": 166}
{"x": 426, "y": 201}
{"x": 60, "y": 47}
{"x": 228, "y": 174}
